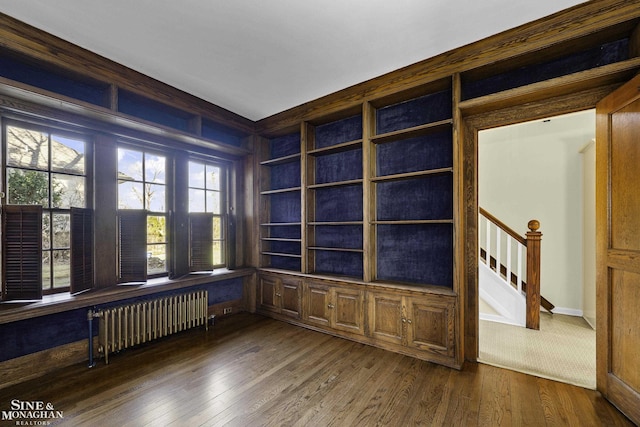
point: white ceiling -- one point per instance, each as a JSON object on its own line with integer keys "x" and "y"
{"x": 260, "y": 57}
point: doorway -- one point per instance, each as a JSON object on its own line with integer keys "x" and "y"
{"x": 545, "y": 169}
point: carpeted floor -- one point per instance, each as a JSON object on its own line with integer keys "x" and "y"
{"x": 564, "y": 349}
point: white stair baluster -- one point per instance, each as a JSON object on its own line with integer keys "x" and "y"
{"x": 488, "y": 257}
{"x": 508, "y": 272}
{"x": 519, "y": 273}
{"x": 498, "y": 250}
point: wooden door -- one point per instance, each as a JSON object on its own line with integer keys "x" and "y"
{"x": 618, "y": 251}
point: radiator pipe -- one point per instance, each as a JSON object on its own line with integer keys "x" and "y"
{"x": 90, "y": 316}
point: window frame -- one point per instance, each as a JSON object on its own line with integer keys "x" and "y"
{"x": 150, "y": 149}
{"x": 51, "y": 129}
{"x": 224, "y": 190}
{"x": 101, "y": 178}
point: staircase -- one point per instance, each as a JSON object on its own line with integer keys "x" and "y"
{"x": 509, "y": 276}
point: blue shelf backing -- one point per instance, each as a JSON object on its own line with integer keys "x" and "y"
{"x": 415, "y": 112}
{"x": 338, "y": 263}
{"x": 433, "y": 151}
{"x": 416, "y": 253}
{"x": 339, "y": 203}
{"x": 429, "y": 198}
{"x": 345, "y": 130}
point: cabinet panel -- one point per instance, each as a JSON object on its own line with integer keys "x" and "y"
{"x": 280, "y": 295}
{"x": 422, "y": 323}
{"x": 385, "y": 318}
{"x": 347, "y": 310}
{"x": 290, "y": 295}
{"x": 417, "y": 324}
{"x": 267, "y": 293}
{"x": 431, "y": 327}
{"x": 318, "y": 304}
{"x": 335, "y": 307}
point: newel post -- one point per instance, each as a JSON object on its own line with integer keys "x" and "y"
{"x": 534, "y": 238}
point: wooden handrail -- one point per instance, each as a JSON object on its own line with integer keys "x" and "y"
{"x": 504, "y": 227}
{"x": 532, "y": 244}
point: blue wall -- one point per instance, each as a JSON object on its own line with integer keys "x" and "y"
{"x": 41, "y": 333}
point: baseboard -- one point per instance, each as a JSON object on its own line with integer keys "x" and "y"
{"x": 567, "y": 311}
{"x": 218, "y": 310}
{"x": 591, "y": 321}
{"x": 497, "y": 318}
{"x": 35, "y": 365}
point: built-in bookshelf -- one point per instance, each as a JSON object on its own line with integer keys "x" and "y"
{"x": 334, "y": 197}
{"x": 334, "y": 193}
{"x": 412, "y": 189}
{"x": 280, "y": 228}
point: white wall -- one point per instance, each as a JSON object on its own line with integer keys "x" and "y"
{"x": 589, "y": 233}
{"x": 533, "y": 170}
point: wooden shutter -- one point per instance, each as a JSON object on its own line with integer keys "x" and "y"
{"x": 22, "y": 252}
{"x": 81, "y": 250}
{"x": 132, "y": 245}
{"x": 201, "y": 241}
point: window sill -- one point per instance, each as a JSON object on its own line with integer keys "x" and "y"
{"x": 12, "y": 311}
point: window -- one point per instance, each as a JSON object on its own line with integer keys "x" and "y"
{"x": 206, "y": 212}
{"x": 142, "y": 201}
{"x": 48, "y": 167}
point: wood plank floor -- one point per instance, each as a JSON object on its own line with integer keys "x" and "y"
{"x": 252, "y": 371}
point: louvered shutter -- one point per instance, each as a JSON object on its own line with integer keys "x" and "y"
{"x": 22, "y": 252}
{"x": 132, "y": 245}
{"x": 81, "y": 250}
{"x": 201, "y": 241}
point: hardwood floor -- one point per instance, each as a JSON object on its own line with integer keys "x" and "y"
{"x": 252, "y": 371}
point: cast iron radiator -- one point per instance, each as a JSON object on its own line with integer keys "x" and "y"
{"x": 128, "y": 325}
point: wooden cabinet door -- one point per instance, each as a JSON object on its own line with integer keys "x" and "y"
{"x": 385, "y": 318}
{"x": 618, "y": 248}
{"x": 430, "y": 326}
{"x": 347, "y": 307}
{"x": 317, "y": 304}
{"x": 290, "y": 297}
{"x": 267, "y": 293}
